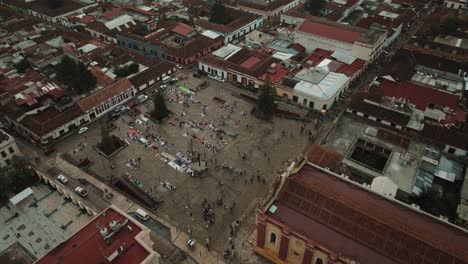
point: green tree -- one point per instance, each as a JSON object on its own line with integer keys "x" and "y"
{"x": 449, "y": 25}
{"x": 22, "y": 66}
{"x": 54, "y": 4}
{"x": 75, "y": 75}
{"x": 126, "y": 70}
{"x": 16, "y": 176}
{"x": 160, "y": 110}
{"x": 432, "y": 201}
{"x": 218, "y": 13}
{"x": 266, "y": 101}
{"x": 314, "y": 6}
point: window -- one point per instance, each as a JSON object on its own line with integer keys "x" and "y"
{"x": 3, "y": 154}
{"x": 8, "y": 162}
{"x": 295, "y": 98}
{"x": 11, "y": 150}
{"x": 272, "y": 238}
{"x": 324, "y": 107}
{"x": 318, "y": 261}
{"x": 304, "y": 102}
{"x": 311, "y": 104}
{"x": 451, "y": 150}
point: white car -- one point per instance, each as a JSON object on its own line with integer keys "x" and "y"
{"x": 82, "y": 130}
{"x": 82, "y": 192}
{"x": 179, "y": 67}
{"x": 163, "y": 87}
{"x": 62, "y": 179}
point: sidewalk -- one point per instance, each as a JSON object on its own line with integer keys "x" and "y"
{"x": 199, "y": 254}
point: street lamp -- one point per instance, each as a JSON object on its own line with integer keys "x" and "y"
{"x": 35, "y": 253}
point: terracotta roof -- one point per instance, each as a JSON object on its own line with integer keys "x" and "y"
{"x": 325, "y": 157}
{"x": 182, "y": 29}
{"x": 41, "y": 6}
{"x": 379, "y": 112}
{"x": 418, "y": 95}
{"x": 104, "y": 94}
{"x": 268, "y": 6}
{"x": 444, "y": 135}
{"x": 44, "y": 121}
{"x": 101, "y": 78}
{"x": 332, "y": 31}
{"x": 362, "y": 225}
{"x": 89, "y": 243}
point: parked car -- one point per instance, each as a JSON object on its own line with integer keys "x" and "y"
{"x": 179, "y": 67}
{"x": 82, "y": 130}
{"x": 162, "y": 87}
{"x": 220, "y": 79}
{"x": 82, "y": 192}
{"x": 62, "y": 179}
{"x": 142, "y": 214}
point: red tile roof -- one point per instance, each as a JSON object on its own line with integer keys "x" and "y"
{"x": 114, "y": 12}
{"x": 362, "y": 225}
{"x": 331, "y": 31}
{"x": 101, "y": 78}
{"x": 104, "y": 94}
{"x": 418, "y": 95}
{"x": 88, "y": 246}
{"x": 318, "y": 55}
{"x": 325, "y": 157}
{"x": 444, "y": 135}
{"x": 182, "y": 29}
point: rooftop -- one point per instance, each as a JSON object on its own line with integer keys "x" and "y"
{"x": 105, "y": 94}
{"x": 264, "y": 5}
{"x": 420, "y": 96}
{"x": 363, "y": 225}
{"x": 42, "y": 7}
{"x": 237, "y": 21}
{"x": 123, "y": 247}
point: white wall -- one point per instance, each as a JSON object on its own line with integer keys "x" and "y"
{"x": 256, "y": 24}
{"x": 311, "y": 42}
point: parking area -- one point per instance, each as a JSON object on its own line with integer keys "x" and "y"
{"x": 241, "y": 154}
{"x": 39, "y": 226}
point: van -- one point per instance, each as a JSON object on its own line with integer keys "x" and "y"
{"x": 166, "y": 79}
{"x": 142, "y": 214}
{"x": 142, "y": 98}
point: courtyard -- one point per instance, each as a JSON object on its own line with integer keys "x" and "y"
{"x": 209, "y": 128}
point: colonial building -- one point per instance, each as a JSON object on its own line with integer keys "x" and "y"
{"x": 179, "y": 43}
{"x": 8, "y": 149}
{"x": 104, "y": 100}
{"x": 316, "y": 216}
{"x": 241, "y": 24}
{"x": 267, "y": 9}
{"x": 314, "y": 33}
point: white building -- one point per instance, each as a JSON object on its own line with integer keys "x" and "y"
{"x": 319, "y": 88}
{"x": 319, "y": 33}
{"x": 8, "y": 149}
{"x": 267, "y": 9}
{"x": 456, "y": 4}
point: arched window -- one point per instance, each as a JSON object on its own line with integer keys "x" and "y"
{"x": 318, "y": 261}
{"x": 272, "y": 238}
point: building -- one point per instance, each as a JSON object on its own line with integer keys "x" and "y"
{"x": 179, "y": 43}
{"x": 332, "y": 11}
{"x": 456, "y": 4}
{"x": 240, "y": 24}
{"x": 8, "y": 149}
{"x": 111, "y": 237}
{"x": 315, "y": 216}
{"x": 41, "y": 10}
{"x": 267, "y": 9}
{"x": 462, "y": 209}
{"x": 365, "y": 44}
{"x": 237, "y": 65}
{"x": 107, "y": 98}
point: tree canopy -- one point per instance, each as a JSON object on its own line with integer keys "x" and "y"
{"x": 218, "y": 13}
{"x": 266, "y": 101}
{"x": 75, "y": 75}
{"x": 22, "y": 66}
{"x": 16, "y": 176}
{"x": 314, "y": 6}
{"x": 432, "y": 201}
{"x": 126, "y": 70}
{"x": 448, "y": 25}
{"x": 160, "y": 110}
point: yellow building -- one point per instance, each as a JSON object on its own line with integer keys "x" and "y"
{"x": 318, "y": 217}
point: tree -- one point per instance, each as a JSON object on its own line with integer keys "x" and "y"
{"x": 434, "y": 202}
{"x": 449, "y": 25}
{"x": 266, "y": 101}
{"x": 54, "y": 4}
{"x": 314, "y": 6}
{"x": 160, "y": 110}
{"x": 217, "y": 13}
{"x": 22, "y": 66}
{"x": 126, "y": 70}
{"x": 16, "y": 176}
{"x": 75, "y": 75}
